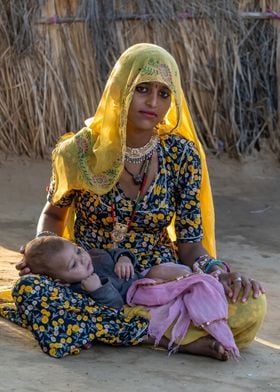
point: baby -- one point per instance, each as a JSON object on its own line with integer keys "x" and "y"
{"x": 105, "y": 275}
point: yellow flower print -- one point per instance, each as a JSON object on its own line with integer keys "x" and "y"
{"x": 19, "y": 299}
{"x": 157, "y": 190}
{"x": 60, "y": 321}
{"x": 191, "y": 223}
{"x": 69, "y": 340}
{"x": 35, "y": 326}
{"x": 76, "y": 328}
{"x": 91, "y": 336}
{"x": 55, "y": 345}
{"x": 89, "y": 309}
{"x": 75, "y": 351}
{"x": 52, "y": 352}
{"x": 100, "y": 333}
{"x": 45, "y": 320}
{"x": 99, "y": 326}
{"x": 42, "y": 328}
{"x": 66, "y": 304}
{"x": 28, "y": 289}
{"x": 22, "y": 289}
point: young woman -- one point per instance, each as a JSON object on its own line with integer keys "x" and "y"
{"x": 135, "y": 178}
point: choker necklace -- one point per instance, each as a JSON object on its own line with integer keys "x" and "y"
{"x": 141, "y": 154}
{"x": 137, "y": 178}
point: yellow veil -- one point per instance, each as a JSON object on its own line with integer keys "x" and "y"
{"x": 93, "y": 158}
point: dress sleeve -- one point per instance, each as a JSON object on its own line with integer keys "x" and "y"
{"x": 188, "y": 224}
{"x": 107, "y": 294}
{"x": 66, "y": 201}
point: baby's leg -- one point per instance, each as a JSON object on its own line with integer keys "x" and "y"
{"x": 168, "y": 271}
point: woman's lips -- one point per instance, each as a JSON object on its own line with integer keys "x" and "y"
{"x": 148, "y": 114}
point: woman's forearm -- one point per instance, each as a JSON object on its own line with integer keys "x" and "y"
{"x": 52, "y": 219}
{"x": 189, "y": 252}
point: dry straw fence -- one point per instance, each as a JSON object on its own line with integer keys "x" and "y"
{"x": 56, "y": 55}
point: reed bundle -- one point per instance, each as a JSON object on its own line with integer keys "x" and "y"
{"x": 56, "y": 56}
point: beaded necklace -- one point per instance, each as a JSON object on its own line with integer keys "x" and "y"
{"x": 120, "y": 230}
{"x": 141, "y": 154}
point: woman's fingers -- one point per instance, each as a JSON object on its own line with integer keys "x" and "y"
{"x": 236, "y": 288}
{"x": 20, "y": 265}
{"x": 25, "y": 271}
{"x": 235, "y": 283}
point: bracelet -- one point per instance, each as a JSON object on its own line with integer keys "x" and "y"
{"x": 203, "y": 264}
{"x": 46, "y": 233}
{"x": 215, "y": 262}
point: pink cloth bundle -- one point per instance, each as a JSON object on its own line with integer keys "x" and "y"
{"x": 199, "y": 298}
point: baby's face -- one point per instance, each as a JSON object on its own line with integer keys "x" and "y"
{"x": 72, "y": 264}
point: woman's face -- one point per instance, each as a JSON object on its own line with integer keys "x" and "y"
{"x": 148, "y": 107}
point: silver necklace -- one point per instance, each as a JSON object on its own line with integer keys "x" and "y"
{"x": 140, "y": 154}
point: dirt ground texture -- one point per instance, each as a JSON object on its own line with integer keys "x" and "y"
{"x": 247, "y": 204}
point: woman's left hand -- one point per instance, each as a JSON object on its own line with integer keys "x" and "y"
{"x": 235, "y": 283}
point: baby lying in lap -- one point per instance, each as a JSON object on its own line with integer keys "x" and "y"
{"x": 104, "y": 275}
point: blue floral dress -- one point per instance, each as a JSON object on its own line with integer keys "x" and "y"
{"x": 174, "y": 194}
{"x": 63, "y": 321}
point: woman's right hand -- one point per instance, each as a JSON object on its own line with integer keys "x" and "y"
{"x": 21, "y": 265}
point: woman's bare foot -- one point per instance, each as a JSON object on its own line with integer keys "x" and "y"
{"x": 206, "y": 346}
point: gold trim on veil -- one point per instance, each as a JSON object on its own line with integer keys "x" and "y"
{"x": 93, "y": 159}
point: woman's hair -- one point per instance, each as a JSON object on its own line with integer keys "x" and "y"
{"x": 39, "y": 252}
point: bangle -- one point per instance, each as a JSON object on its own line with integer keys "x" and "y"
{"x": 201, "y": 263}
{"x": 205, "y": 262}
{"x": 46, "y": 233}
{"x": 215, "y": 262}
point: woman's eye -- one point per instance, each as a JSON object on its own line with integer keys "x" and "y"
{"x": 74, "y": 265}
{"x": 164, "y": 94}
{"x": 79, "y": 250}
{"x": 141, "y": 89}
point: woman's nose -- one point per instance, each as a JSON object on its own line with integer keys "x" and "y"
{"x": 152, "y": 99}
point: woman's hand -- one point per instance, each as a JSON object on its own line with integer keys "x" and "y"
{"x": 235, "y": 283}
{"x": 21, "y": 265}
{"x": 124, "y": 268}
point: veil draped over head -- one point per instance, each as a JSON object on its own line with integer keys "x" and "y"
{"x": 93, "y": 158}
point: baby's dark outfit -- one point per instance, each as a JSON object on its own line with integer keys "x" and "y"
{"x": 113, "y": 290}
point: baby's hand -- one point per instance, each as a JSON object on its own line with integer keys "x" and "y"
{"x": 91, "y": 283}
{"x": 124, "y": 268}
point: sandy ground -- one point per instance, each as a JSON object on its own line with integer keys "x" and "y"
{"x": 248, "y": 226}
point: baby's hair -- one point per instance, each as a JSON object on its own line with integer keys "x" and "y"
{"x": 39, "y": 252}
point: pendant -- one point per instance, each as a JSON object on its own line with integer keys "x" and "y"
{"x": 137, "y": 179}
{"x": 118, "y": 233}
